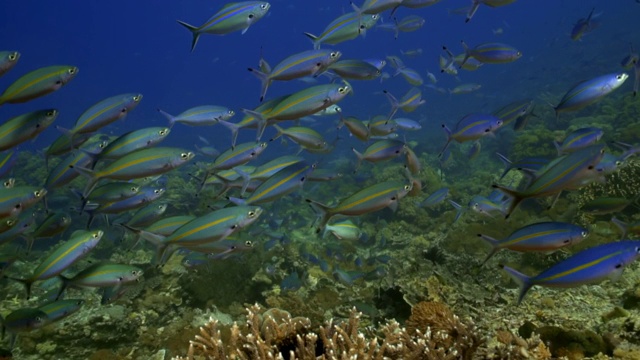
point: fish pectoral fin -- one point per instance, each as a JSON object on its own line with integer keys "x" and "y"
{"x": 617, "y": 273}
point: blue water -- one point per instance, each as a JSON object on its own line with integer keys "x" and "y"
{"x": 124, "y": 46}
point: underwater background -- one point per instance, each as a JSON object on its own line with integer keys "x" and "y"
{"x": 399, "y": 271}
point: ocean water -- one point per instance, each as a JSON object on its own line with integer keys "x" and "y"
{"x": 137, "y": 47}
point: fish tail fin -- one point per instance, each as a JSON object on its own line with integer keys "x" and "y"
{"x": 494, "y": 246}
{"x": 323, "y": 212}
{"x": 507, "y": 164}
{"x": 360, "y": 158}
{"x": 237, "y": 201}
{"x": 472, "y": 10}
{"x": 90, "y": 174}
{"x": 234, "y": 128}
{"x": 314, "y": 40}
{"x": 260, "y": 119}
{"x": 279, "y": 134}
{"x": 514, "y": 194}
{"x": 27, "y": 284}
{"x": 264, "y": 80}
{"x": 623, "y": 226}
{"x": 523, "y": 280}
{"x": 194, "y": 32}
{"x": 449, "y": 138}
{"x": 459, "y": 210}
{"x": 395, "y": 104}
{"x": 467, "y": 54}
{"x": 246, "y": 179}
{"x": 63, "y": 286}
{"x": 171, "y": 118}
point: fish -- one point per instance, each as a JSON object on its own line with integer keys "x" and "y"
{"x": 331, "y": 110}
{"x": 369, "y": 199}
{"x": 584, "y": 26}
{"x": 579, "y": 139}
{"x": 238, "y": 16}
{"x": 19, "y": 228}
{"x": 25, "y": 127}
{"x": 7, "y": 161}
{"x": 103, "y": 113}
{"x": 8, "y": 59}
{"x": 529, "y": 165}
{"x": 490, "y": 3}
{"x": 408, "y": 103}
{"x": 567, "y": 172}
{"x": 471, "y": 127}
{"x": 593, "y": 265}
{"x": 302, "y": 103}
{"x": 54, "y": 224}
{"x": 380, "y": 150}
{"x": 283, "y": 182}
{"x": 72, "y": 250}
{"x": 544, "y": 237}
{"x": 407, "y": 124}
{"x": 435, "y": 198}
{"x": 147, "y": 215}
{"x": 138, "y": 164}
{"x": 356, "y": 127}
{"x": 306, "y": 63}
{"x": 112, "y": 192}
{"x": 491, "y": 53}
{"x": 169, "y": 225}
{"x": 58, "y": 310}
{"x": 268, "y": 169}
{"x": 19, "y": 198}
{"x": 101, "y": 275}
{"x": 23, "y": 320}
{"x": 606, "y": 205}
{"x": 214, "y": 226}
{"x": 517, "y": 112}
{"x": 306, "y": 137}
{"x": 407, "y": 24}
{"x": 343, "y": 230}
{"x": 232, "y": 158}
{"x": 355, "y": 69}
{"x": 64, "y": 144}
{"x": 204, "y": 115}
{"x": 63, "y": 173}
{"x": 465, "y": 89}
{"x": 588, "y": 92}
{"x": 626, "y": 228}
{"x": 375, "y": 6}
{"x": 346, "y": 27}
{"x": 38, "y": 83}
{"x": 132, "y": 141}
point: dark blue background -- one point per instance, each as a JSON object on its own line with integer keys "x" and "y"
{"x": 137, "y": 46}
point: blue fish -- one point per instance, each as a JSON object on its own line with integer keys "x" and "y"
{"x": 589, "y": 92}
{"x": 471, "y": 127}
{"x": 579, "y": 139}
{"x": 436, "y": 197}
{"x": 589, "y": 266}
{"x": 544, "y": 236}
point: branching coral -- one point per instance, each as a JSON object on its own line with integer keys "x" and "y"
{"x": 265, "y": 336}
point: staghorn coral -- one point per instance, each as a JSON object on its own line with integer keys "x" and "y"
{"x": 274, "y": 334}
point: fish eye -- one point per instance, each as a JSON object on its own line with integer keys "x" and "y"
{"x": 13, "y": 56}
{"x": 10, "y": 222}
{"x": 584, "y": 234}
{"x": 619, "y": 76}
{"x": 36, "y": 193}
{"x": 374, "y": 16}
{"x": 518, "y": 53}
{"x": 134, "y": 189}
{"x": 333, "y": 54}
{"x": 248, "y": 243}
{"x": 263, "y": 145}
{"x": 407, "y": 187}
{"x": 342, "y": 90}
{"x": 162, "y": 132}
{"x": 231, "y": 112}
{"x": 137, "y": 98}
{"x": 251, "y": 213}
{"x": 51, "y": 113}
{"x": 263, "y": 6}
{"x": 72, "y": 71}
